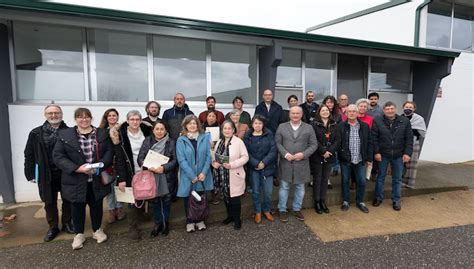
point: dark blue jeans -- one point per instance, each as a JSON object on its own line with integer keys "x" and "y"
{"x": 162, "y": 208}
{"x": 397, "y": 169}
{"x": 261, "y": 184}
{"x": 346, "y": 171}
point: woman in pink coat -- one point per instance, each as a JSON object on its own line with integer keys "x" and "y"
{"x": 230, "y": 157}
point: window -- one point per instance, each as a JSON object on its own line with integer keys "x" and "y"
{"x": 438, "y": 33}
{"x": 463, "y": 28}
{"x": 121, "y": 69}
{"x": 49, "y": 62}
{"x": 179, "y": 66}
{"x": 289, "y": 71}
{"x": 319, "y": 73}
{"x": 390, "y": 74}
{"x": 234, "y": 72}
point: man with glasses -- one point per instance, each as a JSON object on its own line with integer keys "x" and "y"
{"x": 343, "y": 101}
{"x": 41, "y": 170}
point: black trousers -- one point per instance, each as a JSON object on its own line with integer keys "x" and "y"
{"x": 79, "y": 211}
{"x": 320, "y": 180}
{"x": 234, "y": 207}
{"x": 51, "y": 208}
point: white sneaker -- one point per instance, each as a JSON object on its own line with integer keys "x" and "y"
{"x": 190, "y": 227}
{"x": 78, "y": 241}
{"x": 99, "y": 235}
{"x": 201, "y": 226}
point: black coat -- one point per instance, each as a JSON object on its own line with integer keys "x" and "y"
{"x": 309, "y": 113}
{"x": 330, "y": 144}
{"x": 273, "y": 117}
{"x": 170, "y": 168}
{"x": 366, "y": 146}
{"x": 123, "y": 166}
{"x": 68, "y": 157}
{"x": 261, "y": 149}
{"x": 36, "y": 153}
{"x": 392, "y": 140}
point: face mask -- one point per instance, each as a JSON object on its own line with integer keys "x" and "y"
{"x": 408, "y": 112}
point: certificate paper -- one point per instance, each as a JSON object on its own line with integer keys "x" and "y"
{"x": 155, "y": 159}
{"x": 124, "y": 197}
{"x": 215, "y": 133}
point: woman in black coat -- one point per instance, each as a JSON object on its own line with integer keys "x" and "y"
{"x": 165, "y": 175}
{"x": 328, "y": 143}
{"x": 75, "y": 149}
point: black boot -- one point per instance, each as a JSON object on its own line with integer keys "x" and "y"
{"x": 166, "y": 229}
{"x": 324, "y": 206}
{"x": 236, "y": 208}
{"x": 229, "y": 218}
{"x": 132, "y": 218}
{"x": 156, "y": 230}
{"x": 317, "y": 207}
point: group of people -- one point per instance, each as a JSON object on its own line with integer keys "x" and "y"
{"x": 276, "y": 147}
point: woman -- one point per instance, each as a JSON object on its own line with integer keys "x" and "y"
{"x": 109, "y": 120}
{"x": 75, "y": 149}
{"x": 419, "y": 131}
{"x": 241, "y": 128}
{"x": 322, "y": 160}
{"x": 165, "y": 175}
{"x": 363, "y": 106}
{"x": 292, "y": 101}
{"x": 193, "y": 149}
{"x": 128, "y": 139}
{"x": 261, "y": 149}
{"x": 231, "y": 173}
{"x": 331, "y": 102}
{"x": 211, "y": 120}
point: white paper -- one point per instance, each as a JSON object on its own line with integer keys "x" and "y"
{"x": 94, "y": 165}
{"x": 155, "y": 159}
{"x": 124, "y": 197}
{"x": 215, "y": 133}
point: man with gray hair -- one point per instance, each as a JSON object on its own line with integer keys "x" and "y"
{"x": 175, "y": 115}
{"x": 41, "y": 170}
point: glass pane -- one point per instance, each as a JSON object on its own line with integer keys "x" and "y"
{"x": 438, "y": 32}
{"x": 234, "y": 72}
{"x": 318, "y": 76}
{"x": 352, "y": 76}
{"x": 180, "y": 66}
{"x": 462, "y": 27}
{"x": 390, "y": 74}
{"x": 289, "y": 71}
{"x": 121, "y": 66}
{"x": 49, "y": 62}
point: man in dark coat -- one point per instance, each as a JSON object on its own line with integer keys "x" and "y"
{"x": 393, "y": 144}
{"x": 175, "y": 115}
{"x": 271, "y": 110}
{"x": 309, "y": 107}
{"x": 40, "y": 169}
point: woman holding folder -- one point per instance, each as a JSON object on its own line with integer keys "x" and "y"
{"x": 165, "y": 174}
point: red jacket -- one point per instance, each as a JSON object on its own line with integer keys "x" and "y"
{"x": 367, "y": 119}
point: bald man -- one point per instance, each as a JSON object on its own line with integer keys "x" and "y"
{"x": 271, "y": 110}
{"x": 175, "y": 115}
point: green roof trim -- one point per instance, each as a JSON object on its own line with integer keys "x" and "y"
{"x": 358, "y": 14}
{"x": 133, "y": 17}
{"x": 417, "y": 22}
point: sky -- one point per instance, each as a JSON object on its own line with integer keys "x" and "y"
{"x": 295, "y": 15}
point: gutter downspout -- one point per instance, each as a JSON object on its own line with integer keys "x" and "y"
{"x": 417, "y": 21}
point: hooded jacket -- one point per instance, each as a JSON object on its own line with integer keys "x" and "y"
{"x": 174, "y": 117}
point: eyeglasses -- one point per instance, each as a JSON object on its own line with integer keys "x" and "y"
{"x": 83, "y": 118}
{"x": 53, "y": 113}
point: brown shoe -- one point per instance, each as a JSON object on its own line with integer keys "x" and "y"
{"x": 268, "y": 216}
{"x": 284, "y": 217}
{"x": 298, "y": 215}
{"x": 258, "y": 218}
{"x": 120, "y": 213}
{"x": 112, "y": 216}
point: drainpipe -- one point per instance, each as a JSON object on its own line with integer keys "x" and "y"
{"x": 417, "y": 21}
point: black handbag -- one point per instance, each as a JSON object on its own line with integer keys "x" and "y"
{"x": 198, "y": 210}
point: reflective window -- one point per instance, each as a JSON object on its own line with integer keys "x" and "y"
{"x": 390, "y": 74}
{"x": 438, "y": 33}
{"x": 49, "y": 62}
{"x": 463, "y": 28}
{"x": 120, "y": 66}
{"x": 234, "y": 72}
{"x": 318, "y": 73}
{"x": 179, "y": 66}
{"x": 289, "y": 71}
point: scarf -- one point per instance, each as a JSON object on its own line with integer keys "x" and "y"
{"x": 160, "y": 179}
{"x": 50, "y": 136}
{"x": 193, "y": 135}
{"x": 222, "y": 174}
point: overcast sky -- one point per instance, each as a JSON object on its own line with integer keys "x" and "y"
{"x": 295, "y": 15}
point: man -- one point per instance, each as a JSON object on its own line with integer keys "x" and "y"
{"x": 211, "y": 106}
{"x": 40, "y": 169}
{"x": 238, "y": 103}
{"x": 393, "y": 144}
{"x": 355, "y": 153}
{"x": 343, "y": 101}
{"x": 374, "y": 109}
{"x": 295, "y": 141}
{"x": 152, "y": 109}
{"x": 309, "y": 107}
{"x": 175, "y": 115}
{"x": 271, "y": 110}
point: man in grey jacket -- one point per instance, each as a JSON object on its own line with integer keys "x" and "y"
{"x": 295, "y": 141}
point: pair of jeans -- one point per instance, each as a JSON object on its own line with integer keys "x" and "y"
{"x": 111, "y": 199}
{"x": 320, "y": 180}
{"x": 347, "y": 170}
{"x": 162, "y": 208}
{"x": 261, "y": 184}
{"x": 79, "y": 211}
{"x": 283, "y": 195}
{"x": 51, "y": 208}
{"x": 397, "y": 170}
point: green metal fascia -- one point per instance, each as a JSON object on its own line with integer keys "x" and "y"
{"x": 417, "y": 22}
{"x": 132, "y": 17}
{"x": 358, "y": 14}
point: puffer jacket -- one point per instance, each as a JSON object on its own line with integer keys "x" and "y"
{"x": 261, "y": 149}
{"x": 392, "y": 139}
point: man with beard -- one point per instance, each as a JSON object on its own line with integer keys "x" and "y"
{"x": 309, "y": 107}
{"x": 211, "y": 106}
{"x": 175, "y": 115}
{"x": 40, "y": 169}
{"x": 152, "y": 109}
{"x": 374, "y": 109}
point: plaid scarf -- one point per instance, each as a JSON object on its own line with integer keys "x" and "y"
{"x": 88, "y": 142}
{"x": 221, "y": 175}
